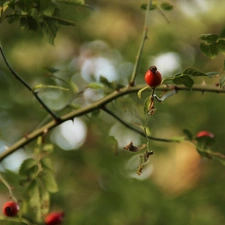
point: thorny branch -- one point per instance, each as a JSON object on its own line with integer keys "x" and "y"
{"x": 98, "y": 105}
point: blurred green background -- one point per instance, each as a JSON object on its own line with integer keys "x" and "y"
{"x": 97, "y": 181}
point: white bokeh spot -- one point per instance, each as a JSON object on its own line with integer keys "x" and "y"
{"x": 70, "y": 135}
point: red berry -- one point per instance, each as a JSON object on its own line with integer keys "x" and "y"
{"x": 10, "y": 208}
{"x": 54, "y": 218}
{"x": 153, "y": 77}
{"x": 204, "y": 133}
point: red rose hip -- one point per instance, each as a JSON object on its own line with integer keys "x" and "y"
{"x": 54, "y": 218}
{"x": 10, "y": 209}
{"x": 153, "y": 77}
{"x": 204, "y": 133}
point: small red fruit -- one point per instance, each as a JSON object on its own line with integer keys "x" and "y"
{"x": 204, "y": 133}
{"x": 153, "y": 77}
{"x": 54, "y": 218}
{"x": 10, "y": 208}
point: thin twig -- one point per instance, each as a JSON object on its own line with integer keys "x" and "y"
{"x": 143, "y": 134}
{"x": 35, "y": 94}
{"x": 4, "y": 181}
{"x": 144, "y": 37}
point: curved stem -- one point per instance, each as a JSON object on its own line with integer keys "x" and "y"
{"x": 4, "y": 181}
{"x": 144, "y": 37}
{"x": 57, "y": 119}
{"x": 97, "y": 105}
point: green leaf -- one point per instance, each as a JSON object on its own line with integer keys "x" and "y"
{"x": 153, "y": 6}
{"x": 209, "y": 38}
{"x": 49, "y": 86}
{"x": 204, "y": 142}
{"x": 76, "y": 2}
{"x": 44, "y": 201}
{"x": 147, "y": 105}
{"x": 48, "y": 181}
{"x": 13, "y": 18}
{"x": 96, "y": 113}
{"x": 27, "y": 165}
{"x": 193, "y": 72}
{"x": 94, "y": 86}
{"x": 211, "y": 74}
{"x": 48, "y": 148}
{"x": 210, "y": 50}
{"x": 221, "y": 45}
{"x": 185, "y": 80}
{"x": 49, "y": 27}
{"x": 166, "y": 6}
{"x": 141, "y": 90}
{"x": 222, "y": 81}
{"x": 46, "y": 164}
{"x": 33, "y": 192}
{"x": 188, "y": 134}
{"x": 105, "y": 81}
{"x": 113, "y": 143}
{"x": 28, "y": 23}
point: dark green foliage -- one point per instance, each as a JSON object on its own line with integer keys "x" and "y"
{"x": 37, "y": 14}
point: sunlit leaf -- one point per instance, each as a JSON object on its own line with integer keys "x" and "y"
{"x": 33, "y": 192}
{"x": 48, "y": 181}
{"x": 44, "y": 200}
{"x": 49, "y": 86}
{"x": 94, "y": 86}
{"x": 46, "y": 164}
{"x": 27, "y": 165}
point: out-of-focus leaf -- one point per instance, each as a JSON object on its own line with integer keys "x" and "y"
{"x": 76, "y": 2}
{"x": 48, "y": 181}
{"x": 33, "y": 192}
{"x": 46, "y": 164}
{"x": 113, "y": 143}
{"x": 153, "y": 6}
{"x": 48, "y": 148}
{"x": 44, "y": 200}
{"x": 94, "y": 86}
{"x": 166, "y": 6}
{"x": 210, "y": 50}
{"x": 222, "y": 81}
{"x": 49, "y": 86}
{"x": 188, "y": 134}
{"x": 221, "y": 45}
{"x": 96, "y": 113}
{"x": 211, "y": 74}
{"x": 209, "y": 38}
{"x": 27, "y": 165}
